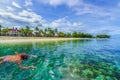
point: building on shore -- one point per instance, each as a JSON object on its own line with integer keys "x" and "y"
{"x": 14, "y": 32}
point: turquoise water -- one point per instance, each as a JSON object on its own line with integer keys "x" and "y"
{"x": 96, "y": 59}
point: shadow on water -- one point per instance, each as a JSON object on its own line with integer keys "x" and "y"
{"x": 62, "y": 60}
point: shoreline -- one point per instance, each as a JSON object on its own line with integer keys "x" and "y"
{"x": 34, "y": 39}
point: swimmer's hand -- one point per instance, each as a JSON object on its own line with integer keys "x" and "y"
{"x": 32, "y": 67}
{"x": 27, "y": 67}
{"x": 16, "y": 52}
{"x": 34, "y": 56}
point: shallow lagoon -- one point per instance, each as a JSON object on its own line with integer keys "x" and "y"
{"x": 97, "y": 59}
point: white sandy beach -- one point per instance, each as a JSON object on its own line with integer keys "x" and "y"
{"x": 32, "y": 39}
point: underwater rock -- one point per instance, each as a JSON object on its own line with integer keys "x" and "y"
{"x": 87, "y": 73}
{"x": 100, "y": 77}
{"x": 51, "y": 72}
{"x": 109, "y": 78}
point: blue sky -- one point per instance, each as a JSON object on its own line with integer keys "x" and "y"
{"x": 91, "y": 16}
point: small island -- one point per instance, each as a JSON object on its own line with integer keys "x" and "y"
{"x": 102, "y": 36}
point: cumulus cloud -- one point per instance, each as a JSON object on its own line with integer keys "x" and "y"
{"x": 105, "y": 30}
{"x": 1, "y": 21}
{"x": 63, "y": 24}
{"x": 16, "y": 5}
{"x": 32, "y": 19}
{"x": 80, "y": 7}
{"x": 10, "y": 8}
{"x": 92, "y": 10}
{"x": 15, "y": 15}
{"x": 27, "y": 17}
{"x": 70, "y": 3}
{"x": 28, "y": 2}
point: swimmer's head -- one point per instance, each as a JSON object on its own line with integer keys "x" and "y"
{"x": 24, "y": 56}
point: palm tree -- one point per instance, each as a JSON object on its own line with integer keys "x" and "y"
{"x": 56, "y": 32}
{"x": 30, "y": 33}
{"x": 75, "y": 34}
{"x": 0, "y": 29}
{"x": 49, "y": 31}
{"x": 37, "y": 31}
{"x": 61, "y": 34}
{"x": 22, "y": 31}
{"x": 41, "y": 33}
{"x": 45, "y": 32}
{"x": 6, "y": 30}
{"x": 68, "y": 35}
{"x": 36, "y": 28}
{"x": 27, "y": 30}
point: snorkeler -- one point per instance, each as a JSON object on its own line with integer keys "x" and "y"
{"x": 17, "y": 59}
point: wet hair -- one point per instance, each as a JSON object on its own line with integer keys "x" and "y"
{"x": 24, "y": 56}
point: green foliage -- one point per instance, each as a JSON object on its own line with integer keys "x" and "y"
{"x": 81, "y": 35}
{"x": 0, "y": 27}
{"x": 74, "y": 34}
{"x": 102, "y": 36}
{"x": 61, "y": 34}
{"x": 22, "y": 31}
{"x": 68, "y": 35}
{"x": 49, "y": 32}
{"x": 56, "y": 30}
{"x": 36, "y": 28}
{"x": 27, "y": 30}
{"x": 5, "y": 30}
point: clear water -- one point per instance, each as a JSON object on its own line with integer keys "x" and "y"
{"x": 97, "y": 59}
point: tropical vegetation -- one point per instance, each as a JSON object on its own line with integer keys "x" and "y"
{"x": 47, "y": 32}
{"x": 102, "y": 36}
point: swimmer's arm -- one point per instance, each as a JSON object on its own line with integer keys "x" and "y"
{"x": 25, "y": 67}
{"x": 1, "y": 58}
{"x": 1, "y": 62}
{"x": 16, "y": 53}
{"x": 34, "y": 56}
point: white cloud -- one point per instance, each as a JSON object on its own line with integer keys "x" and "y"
{"x": 10, "y": 8}
{"x": 1, "y": 21}
{"x": 60, "y": 2}
{"x": 63, "y": 24}
{"x": 29, "y": 9}
{"x": 16, "y": 5}
{"x": 92, "y": 10}
{"x": 13, "y": 16}
{"x": 32, "y": 19}
{"x": 27, "y": 17}
{"x": 112, "y": 30}
{"x": 80, "y": 7}
{"x": 28, "y": 2}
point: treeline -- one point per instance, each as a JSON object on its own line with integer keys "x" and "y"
{"x": 47, "y": 32}
{"x": 75, "y": 35}
{"x": 102, "y": 36}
